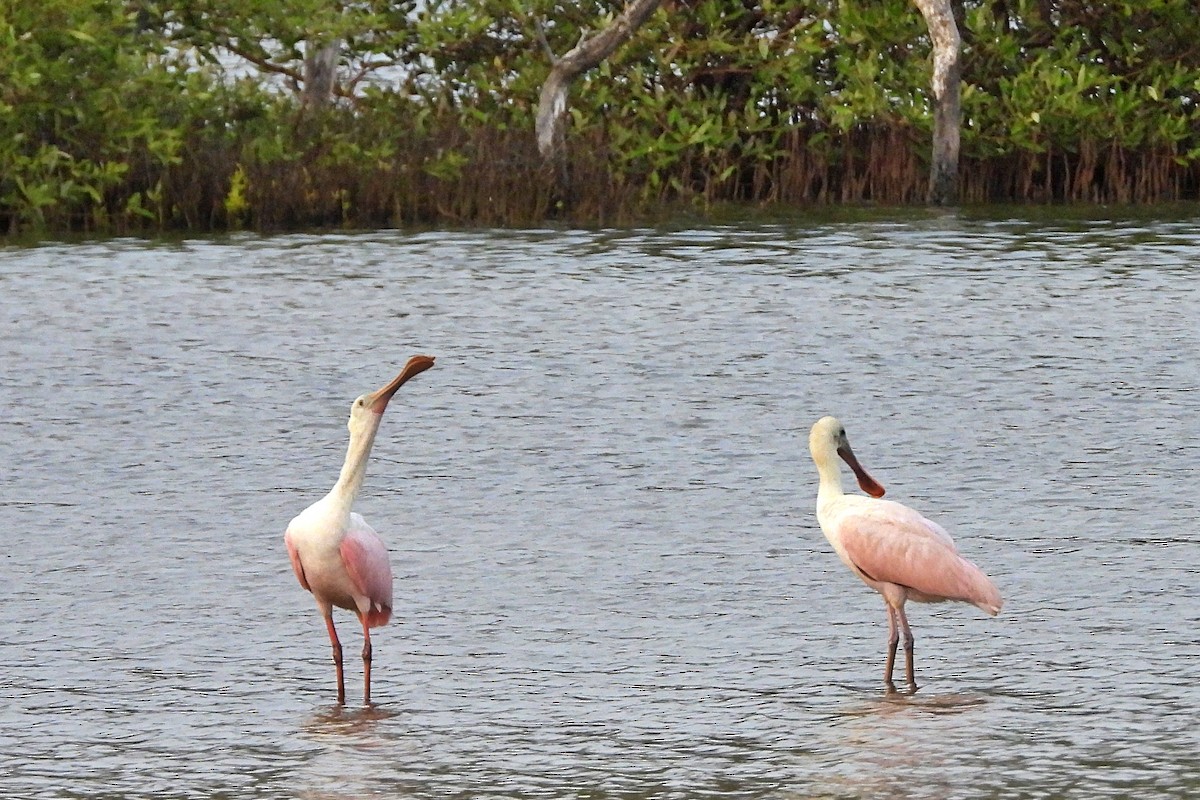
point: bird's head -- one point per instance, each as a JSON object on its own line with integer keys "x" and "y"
{"x": 366, "y": 409}
{"x": 827, "y": 437}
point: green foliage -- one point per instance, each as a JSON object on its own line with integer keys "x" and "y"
{"x": 273, "y": 35}
{"x": 1099, "y": 102}
{"x": 236, "y": 204}
{"x": 82, "y": 103}
{"x": 137, "y": 114}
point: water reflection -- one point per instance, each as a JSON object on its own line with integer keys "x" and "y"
{"x": 903, "y": 702}
{"x": 347, "y": 720}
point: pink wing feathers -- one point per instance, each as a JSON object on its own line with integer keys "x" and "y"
{"x": 366, "y": 560}
{"x": 294, "y": 555}
{"x": 894, "y": 544}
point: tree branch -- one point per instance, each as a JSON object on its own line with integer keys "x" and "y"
{"x": 541, "y": 35}
{"x": 552, "y": 105}
{"x": 366, "y": 68}
{"x": 261, "y": 61}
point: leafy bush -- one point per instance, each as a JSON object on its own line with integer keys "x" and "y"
{"x": 146, "y": 115}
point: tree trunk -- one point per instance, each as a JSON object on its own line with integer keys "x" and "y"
{"x": 320, "y": 71}
{"x": 947, "y": 112}
{"x": 552, "y": 106}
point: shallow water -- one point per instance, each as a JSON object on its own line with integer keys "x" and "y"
{"x": 609, "y": 578}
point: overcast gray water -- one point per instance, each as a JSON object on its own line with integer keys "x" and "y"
{"x": 600, "y": 507}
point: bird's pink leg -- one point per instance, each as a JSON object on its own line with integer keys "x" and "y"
{"x": 908, "y": 649}
{"x": 366, "y": 655}
{"x": 337, "y": 657}
{"x": 893, "y": 640}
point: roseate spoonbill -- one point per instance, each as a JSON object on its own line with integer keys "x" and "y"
{"x": 893, "y": 549}
{"x": 335, "y": 554}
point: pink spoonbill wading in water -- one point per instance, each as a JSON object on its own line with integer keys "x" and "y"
{"x": 893, "y": 549}
{"x": 335, "y": 554}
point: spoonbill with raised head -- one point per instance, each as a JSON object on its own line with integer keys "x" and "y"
{"x": 335, "y": 554}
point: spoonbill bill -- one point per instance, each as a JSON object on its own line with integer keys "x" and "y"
{"x": 892, "y": 548}
{"x": 335, "y": 554}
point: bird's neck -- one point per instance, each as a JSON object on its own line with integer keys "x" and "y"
{"x": 830, "y": 474}
{"x": 355, "y": 468}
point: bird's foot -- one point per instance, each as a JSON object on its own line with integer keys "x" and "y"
{"x": 891, "y": 691}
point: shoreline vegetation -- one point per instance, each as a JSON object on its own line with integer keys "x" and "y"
{"x": 138, "y": 117}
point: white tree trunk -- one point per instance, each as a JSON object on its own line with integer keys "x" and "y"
{"x": 947, "y": 111}
{"x": 320, "y": 72}
{"x": 552, "y": 106}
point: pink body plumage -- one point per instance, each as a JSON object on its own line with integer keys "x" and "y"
{"x": 892, "y": 548}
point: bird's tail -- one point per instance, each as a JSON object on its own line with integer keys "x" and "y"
{"x": 378, "y": 615}
{"x": 984, "y": 594}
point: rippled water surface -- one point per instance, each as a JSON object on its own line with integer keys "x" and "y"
{"x": 609, "y": 577}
